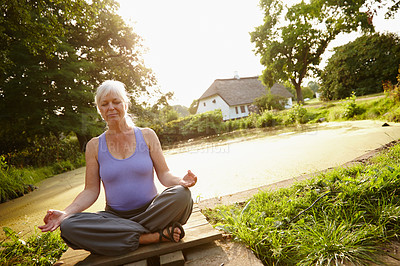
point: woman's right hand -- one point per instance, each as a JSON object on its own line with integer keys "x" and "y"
{"x": 52, "y": 220}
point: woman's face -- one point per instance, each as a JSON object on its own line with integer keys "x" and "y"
{"x": 112, "y": 107}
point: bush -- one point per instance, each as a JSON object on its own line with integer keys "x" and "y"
{"x": 39, "y": 249}
{"x": 298, "y": 114}
{"x": 351, "y": 109}
{"x": 45, "y": 151}
{"x": 270, "y": 102}
{"x": 203, "y": 124}
{"x": 266, "y": 119}
{"x": 393, "y": 91}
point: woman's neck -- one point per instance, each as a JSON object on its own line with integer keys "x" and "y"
{"x": 117, "y": 128}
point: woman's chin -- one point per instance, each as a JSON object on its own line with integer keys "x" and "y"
{"x": 113, "y": 120}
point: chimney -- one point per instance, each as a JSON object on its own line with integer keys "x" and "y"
{"x": 236, "y": 75}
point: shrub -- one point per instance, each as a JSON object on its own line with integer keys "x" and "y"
{"x": 393, "y": 91}
{"x": 270, "y": 102}
{"x": 45, "y": 151}
{"x": 39, "y": 249}
{"x": 298, "y": 114}
{"x": 351, "y": 109}
{"x": 203, "y": 124}
{"x": 266, "y": 119}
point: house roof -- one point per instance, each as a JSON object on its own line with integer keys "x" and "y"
{"x": 279, "y": 89}
{"x": 241, "y": 91}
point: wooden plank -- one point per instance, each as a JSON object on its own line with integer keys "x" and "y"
{"x": 198, "y": 231}
{"x": 172, "y": 259}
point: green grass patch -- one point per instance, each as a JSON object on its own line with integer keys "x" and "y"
{"x": 343, "y": 215}
{"x": 38, "y": 249}
{"x": 16, "y": 182}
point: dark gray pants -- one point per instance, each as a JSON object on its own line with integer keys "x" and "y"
{"x": 113, "y": 233}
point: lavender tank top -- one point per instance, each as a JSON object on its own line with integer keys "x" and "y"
{"x": 128, "y": 183}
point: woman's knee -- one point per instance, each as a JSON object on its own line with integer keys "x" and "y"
{"x": 68, "y": 225}
{"x": 182, "y": 194}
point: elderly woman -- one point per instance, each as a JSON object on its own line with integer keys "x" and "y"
{"x": 123, "y": 159}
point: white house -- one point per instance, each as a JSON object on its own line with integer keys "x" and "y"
{"x": 235, "y": 96}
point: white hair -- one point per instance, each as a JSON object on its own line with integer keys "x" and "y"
{"x": 117, "y": 87}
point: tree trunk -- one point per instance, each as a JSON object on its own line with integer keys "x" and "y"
{"x": 83, "y": 140}
{"x": 299, "y": 94}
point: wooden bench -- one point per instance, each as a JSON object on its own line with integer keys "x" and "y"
{"x": 198, "y": 231}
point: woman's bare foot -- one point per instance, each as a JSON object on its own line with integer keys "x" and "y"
{"x": 155, "y": 237}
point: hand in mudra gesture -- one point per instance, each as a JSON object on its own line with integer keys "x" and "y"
{"x": 189, "y": 180}
{"x": 52, "y": 220}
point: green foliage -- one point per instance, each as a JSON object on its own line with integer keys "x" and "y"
{"x": 45, "y": 151}
{"x": 156, "y": 115}
{"x": 298, "y": 114}
{"x": 341, "y": 216}
{"x": 196, "y": 126}
{"x": 291, "y": 49}
{"x": 207, "y": 123}
{"x": 307, "y": 92}
{"x": 204, "y": 124}
{"x": 193, "y": 107}
{"x": 54, "y": 55}
{"x": 313, "y": 86}
{"x": 39, "y": 249}
{"x": 269, "y": 101}
{"x": 16, "y": 182}
{"x": 393, "y": 91}
{"x": 181, "y": 110}
{"x": 266, "y": 119}
{"x": 361, "y": 66}
{"x": 351, "y": 109}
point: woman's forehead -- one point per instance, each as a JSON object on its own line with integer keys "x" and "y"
{"x": 110, "y": 96}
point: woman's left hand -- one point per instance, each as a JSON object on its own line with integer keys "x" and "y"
{"x": 189, "y": 180}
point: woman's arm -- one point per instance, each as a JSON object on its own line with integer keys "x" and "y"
{"x": 86, "y": 198}
{"x": 160, "y": 165}
{"x": 91, "y": 192}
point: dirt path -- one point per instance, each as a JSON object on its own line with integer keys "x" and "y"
{"x": 224, "y": 168}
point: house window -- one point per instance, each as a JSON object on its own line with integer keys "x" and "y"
{"x": 236, "y": 109}
{"x": 204, "y": 104}
{"x": 243, "y": 109}
{"x": 214, "y": 101}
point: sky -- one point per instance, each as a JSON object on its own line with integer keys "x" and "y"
{"x": 192, "y": 43}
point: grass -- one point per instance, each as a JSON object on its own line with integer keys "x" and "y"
{"x": 340, "y": 216}
{"x": 16, "y": 182}
{"x": 38, "y": 249}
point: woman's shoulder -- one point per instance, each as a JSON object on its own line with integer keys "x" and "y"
{"x": 147, "y": 131}
{"x": 93, "y": 144}
{"x": 149, "y": 135}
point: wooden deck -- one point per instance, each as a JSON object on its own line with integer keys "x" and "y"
{"x": 198, "y": 231}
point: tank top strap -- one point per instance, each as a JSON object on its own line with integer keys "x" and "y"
{"x": 140, "y": 142}
{"x": 102, "y": 143}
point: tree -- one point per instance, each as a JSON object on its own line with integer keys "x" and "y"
{"x": 361, "y": 66}
{"x": 307, "y": 92}
{"x": 291, "y": 49}
{"x": 313, "y": 86}
{"x": 193, "y": 107}
{"x": 54, "y": 55}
